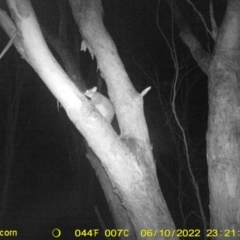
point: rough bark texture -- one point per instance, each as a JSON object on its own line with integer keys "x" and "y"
{"x": 223, "y": 138}
{"x": 132, "y": 174}
{"x": 128, "y": 159}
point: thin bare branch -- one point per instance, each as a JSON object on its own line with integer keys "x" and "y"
{"x": 213, "y": 22}
{"x": 8, "y": 45}
{"x": 201, "y": 17}
{"x": 184, "y": 137}
{"x": 202, "y": 57}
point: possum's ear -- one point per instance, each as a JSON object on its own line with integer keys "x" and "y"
{"x": 94, "y": 89}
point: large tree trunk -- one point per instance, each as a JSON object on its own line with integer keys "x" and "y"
{"x": 127, "y": 159}
{"x": 223, "y": 138}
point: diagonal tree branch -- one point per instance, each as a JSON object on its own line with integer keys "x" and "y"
{"x": 199, "y": 54}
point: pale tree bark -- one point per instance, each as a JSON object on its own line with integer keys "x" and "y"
{"x": 127, "y": 159}
{"x": 223, "y": 139}
{"x": 71, "y": 68}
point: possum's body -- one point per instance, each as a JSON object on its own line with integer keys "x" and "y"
{"x": 102, "y": 103}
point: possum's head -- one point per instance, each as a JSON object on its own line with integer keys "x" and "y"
{"x": 89, "y": 93}
{"x": 94, "y": 96}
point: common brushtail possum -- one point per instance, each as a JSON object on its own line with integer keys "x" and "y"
{"x": 102, "y": 103}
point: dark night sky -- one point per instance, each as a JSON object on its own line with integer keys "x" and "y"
{"x": 51, "y": 182}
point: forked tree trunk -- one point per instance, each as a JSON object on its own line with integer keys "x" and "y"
{"x": 127, "y": 159}
{"x": 223, "y": 136}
